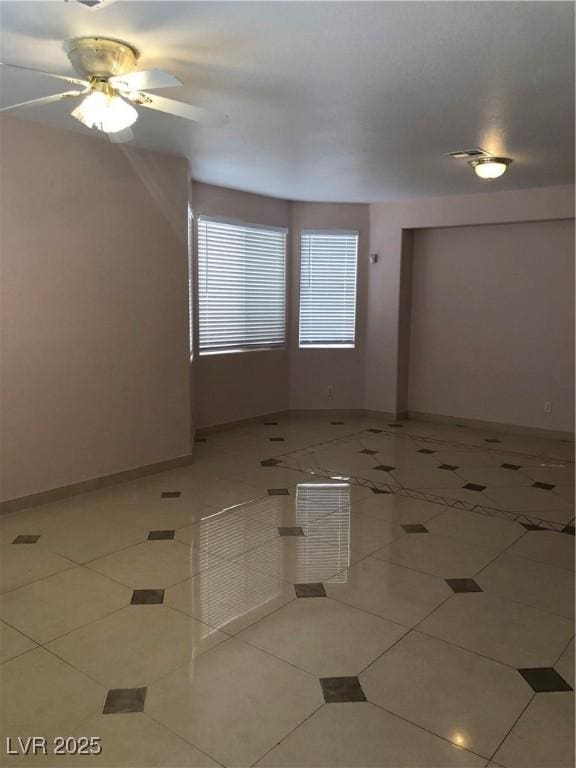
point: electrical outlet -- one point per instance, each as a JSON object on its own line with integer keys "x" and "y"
{"x": 548, "y": 406}
{"x": 330, "y": 390}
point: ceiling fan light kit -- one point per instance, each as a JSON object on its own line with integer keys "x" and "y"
{"x": 111, "y": 86}
{"x": 100, "y": 59}
{"x": 106, "y": 112}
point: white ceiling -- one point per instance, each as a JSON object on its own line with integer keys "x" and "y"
{"x": 344, "y": 101}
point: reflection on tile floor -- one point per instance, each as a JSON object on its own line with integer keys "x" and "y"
{"x": 310, "y": 591}
{"x": 453, "y": 466}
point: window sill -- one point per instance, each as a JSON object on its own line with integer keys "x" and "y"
{"x": 327, "y": 346}
{"x": 215, "y": 352}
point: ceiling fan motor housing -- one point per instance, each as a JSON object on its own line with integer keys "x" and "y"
{"x": 101, "y": 57}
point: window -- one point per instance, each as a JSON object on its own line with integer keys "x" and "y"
{"x": 241, "y": 286}
{"x": 191, "y": 300}
{"x": 328, "y": 263}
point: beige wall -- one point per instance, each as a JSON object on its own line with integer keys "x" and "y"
{"x": 95, "y": 365}
{"x": 95, "y": 348}
{"x": 240, "y": 385}
{"x": 492, "y": 331}
{"x": 313, "y": 371}
{"x": 386, "y": 333}
{"x": 375, "y": 374}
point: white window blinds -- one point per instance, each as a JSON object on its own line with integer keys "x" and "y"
{"x": 241, "y": 286}
{"x": 328, "y": 261}
{"x": 323, "y": 510}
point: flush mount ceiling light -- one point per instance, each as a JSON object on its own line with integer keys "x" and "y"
{"x": 485, "y": 165}
{"x": 490, "y": 167}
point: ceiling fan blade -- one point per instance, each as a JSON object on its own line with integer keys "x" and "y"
{"x": 44, "y": 100}
{"x": 121, "y": 137}
{"x": 149, "y": 78}
{"x": 178, "y": 108}
{"x": 72, "y": 80}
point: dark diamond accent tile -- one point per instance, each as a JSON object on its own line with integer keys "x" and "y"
{"x": 544, "y": 680}
{"x": 276, "y": 439}
{"x": 384, "y": 468}
{"x": 474, "y": 487}
{"x": 463, "y": 585}
{"x": 380, "y": 490}
{"x": 292, "y": 530}
{"x": 375, "y": 431}
{"x": 569, "y": 529}
{"x": 278, "y": 492}
{"x": 492, "y": 440}
{"x": 269, "y": 462}
{"x": 309, "y": 590}
{"x": 532, "y": 527}
{"x": 400, "y": 426}
{"x": 26, "y": 538}
{"x": 170, "y": 494}
{"x": 270, "y": 423}
{"x": 200, "y": 440}
{"x": 510, "y": 466}
{"x": 415, "y": 528}
{"x": 543, "y": 486}
{"x": 368, "y": 452}
{"x": 147, "y": 597}
{"x": 427, "y": 451}
{"x": 160, "y": 535}
{"x": 120, "y": 700}
{"x": 339, "y": 689}
{"x": 337, "y": 423}
{"x": 451, "y": 467}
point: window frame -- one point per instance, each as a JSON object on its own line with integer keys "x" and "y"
{"x": 325, "y": 231}
{"x": 198, "y": 218}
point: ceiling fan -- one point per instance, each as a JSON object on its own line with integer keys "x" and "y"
{"x": 112, "y": 88}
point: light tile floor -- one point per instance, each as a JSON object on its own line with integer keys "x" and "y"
{"x": 419, "y": 574}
